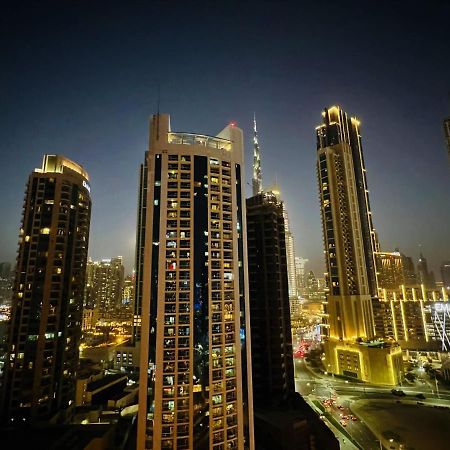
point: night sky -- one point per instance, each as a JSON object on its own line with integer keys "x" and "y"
{"x": 82, "y": 81}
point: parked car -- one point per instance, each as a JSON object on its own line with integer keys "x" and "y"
{"x": 421, "y": 396}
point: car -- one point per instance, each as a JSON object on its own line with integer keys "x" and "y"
{"x": 398, "y": 392}
{"x": 343, "y": 423}
{"x": 354, "y": 418}
{"x": 421, "y": 396}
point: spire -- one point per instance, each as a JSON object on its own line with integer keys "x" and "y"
{"x": 257, "y": 177}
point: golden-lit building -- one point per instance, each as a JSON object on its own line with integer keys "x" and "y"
{"x": 410, "y": 315}
{"x": 46, "y": 313}
{"x": 390, "y": 272}
{"x": 350, "y": 242}
{"x": 195, "y": 381}
{"x": 90, "y": 318}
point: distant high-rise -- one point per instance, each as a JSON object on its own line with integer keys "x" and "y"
{"x": 447, "y": 135}
{"x": 126, "y": 310}
{"x": 6, "y": 282}
{"x": 46, "y": 314}
{"x": 300, "y": 264}
{"x": 390, "y": 273}
{"x": 409, "y": 272}
{"x": 195, "y": 383}
{"x": 445, "y": 273}
{"x": 272, "y": 363}
{"x": 424, "y": 276}
{"x": 290, "y": 247}
{"x": 106, "y": 280}
{"x": 5, "y": 270}
{"x": 350, "y": 241}
{"x": 257, "y": 175}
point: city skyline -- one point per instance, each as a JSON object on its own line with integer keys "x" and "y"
{"x": 103, "y": 126}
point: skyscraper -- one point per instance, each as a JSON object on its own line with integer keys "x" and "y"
{"x": 257, "y": 175}
{"x": 350, "y": 242}
{"x": 290, "y": 247}
{"x": 445, "y": 273}
{"x": 45, "y": 326}
{"x": 390, "y": 272}
{"x": 106, "y": 280}
{"x": 424, "y": 276}
{"x": 447, "y": 135}
{"x": 272, "y": 360}
{"x": 301, "y": 274}
{"x": 195, "y": 382}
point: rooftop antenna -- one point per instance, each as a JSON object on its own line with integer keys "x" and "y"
{"x": 158, "y": 100}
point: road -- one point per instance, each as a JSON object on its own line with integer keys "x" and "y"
{"x": 316, "y": 387}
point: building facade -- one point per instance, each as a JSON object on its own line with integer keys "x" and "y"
{"x": 272, "y": 360}
{"x": 45, "y": 327}
{"x": 414, "y": 316}
{"x": 104, "y": 288}
{"x": 195, "y": 382}
{"x": 390, "y": 271}
{"x": 350, "y": 242}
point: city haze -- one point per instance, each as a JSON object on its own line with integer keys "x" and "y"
{"x": 83, "y": 82}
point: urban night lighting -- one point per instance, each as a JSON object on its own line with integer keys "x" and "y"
{"x": 275, "y": 178}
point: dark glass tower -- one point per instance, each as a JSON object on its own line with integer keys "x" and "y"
{"x": 272, "y": 360}
{"x": 45, "y": 326}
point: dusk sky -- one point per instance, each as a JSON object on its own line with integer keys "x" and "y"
{"x": 82, "y": 81}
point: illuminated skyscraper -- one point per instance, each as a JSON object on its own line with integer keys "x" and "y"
{"x": 106, "y": 279}
{"x": 290, "y": 247}
{"x": 301, "y": 275}
{"x": 46, "y": 317}
{"x": 195, "y": 382}
{"x": 257, "y": 175}
{"x": 390, "y": 272}
{"x": 350, "y": 242}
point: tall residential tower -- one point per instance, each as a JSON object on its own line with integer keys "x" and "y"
{"x": 350, "y": 242}
{"x": 46, "y": 316}
{"x": 195, "y": 379}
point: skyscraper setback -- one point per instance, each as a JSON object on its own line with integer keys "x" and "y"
{"x": 350, "y": 242}
{"x": 195, "y": 380}
{"x": 47, "y": 304}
